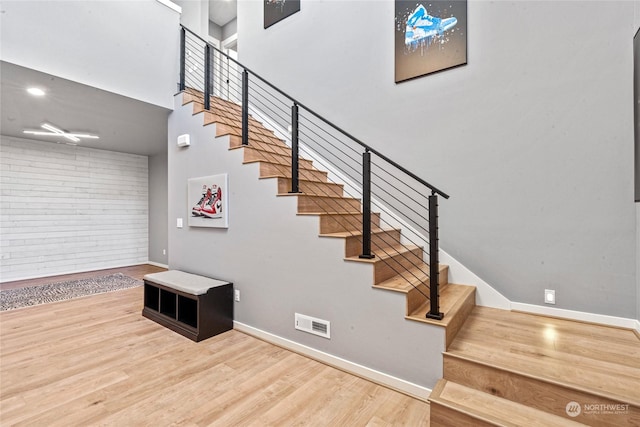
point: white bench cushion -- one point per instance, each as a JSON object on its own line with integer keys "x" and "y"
{"x": 188, "y": 283}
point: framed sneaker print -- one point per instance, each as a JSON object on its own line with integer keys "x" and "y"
{"x": 430, "y": 36}
{"x": 208, "y": 201}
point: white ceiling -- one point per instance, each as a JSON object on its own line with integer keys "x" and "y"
{"x": 222, "y": 12}
{"x": 123, "y": 124}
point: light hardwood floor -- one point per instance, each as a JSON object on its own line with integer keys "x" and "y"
{"x": 97, "y": 361}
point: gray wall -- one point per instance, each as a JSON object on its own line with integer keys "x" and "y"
{"x": 98, "y": 43}
{"x": 533, "y": 138}
{"x": 158, "y": 206}
{"x": 215, "y": 30}
{"x": 67, "y": 209}
{"x": 195, "y": 16}
{"x": 280, "y": 265}
{"x": 230, "y": 29}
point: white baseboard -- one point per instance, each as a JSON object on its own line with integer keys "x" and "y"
{"x": 619, "y": 322}
{"x": 402, "y": 386}
{"x": 157, "y": 264}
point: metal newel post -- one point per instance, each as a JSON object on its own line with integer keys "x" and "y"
{"x": 434, "y": 260}
{"x": 366, "y": 206}
{"x": 295, "y": 181}
{"x": 245, "y": 107}
{"x": 181, "y": 85}
{"x": 207, "y": 77}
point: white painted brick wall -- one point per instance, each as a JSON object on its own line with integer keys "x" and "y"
{"x": 65, "y": 209}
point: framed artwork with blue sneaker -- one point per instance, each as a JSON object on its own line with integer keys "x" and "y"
{"x": 430, "y": 36}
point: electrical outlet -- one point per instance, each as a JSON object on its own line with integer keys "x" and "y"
{"x": 236, "y": 295}
{"x": 549, "y": 296}
{"x": 164, "y": 252}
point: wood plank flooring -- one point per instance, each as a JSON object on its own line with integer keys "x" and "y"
{"x": 97, "y": 361}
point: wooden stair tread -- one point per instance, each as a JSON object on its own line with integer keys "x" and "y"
{"x": 407, "y": 280}
{"x": 389, "y": 252}
{"x": 343, "y": 234}
{"x": 574, "y": 355}
{"x": 301, "y": 166}
{"x": 491, "y": 409}
{"x": 281, "y": 175}
{"x": 275, "y": 142}
{"x": 322, "y": 196}
{"x": 328, "y": 213}
{"x": 263, "y": 146}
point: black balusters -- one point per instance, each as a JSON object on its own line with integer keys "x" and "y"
{"x": 245, "y": 107}
{"x": 366, "y": 206}
{"x": 295, "y": 167}
{"x": 181, "y": 85}
{"x": 207, "y": 77}
{"x": 434, "y": 260}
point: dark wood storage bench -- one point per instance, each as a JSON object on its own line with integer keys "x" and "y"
{"x": 195, "y": 306}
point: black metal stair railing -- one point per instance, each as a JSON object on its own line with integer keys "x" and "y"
{"x": 367, "y": 174}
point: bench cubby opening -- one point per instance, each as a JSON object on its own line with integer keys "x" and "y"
{"x": 167, "y": 303}
{"x": 188, "y": 311}
{"x": 151, "y": 297}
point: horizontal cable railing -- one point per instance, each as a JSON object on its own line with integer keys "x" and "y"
{"x": 388, "y": 196}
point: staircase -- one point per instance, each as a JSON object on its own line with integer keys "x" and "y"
{"x": 514, "y": 369}
{"x": 396, "y": 267}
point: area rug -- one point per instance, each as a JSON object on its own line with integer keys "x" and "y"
{"x": 25, "y": 297}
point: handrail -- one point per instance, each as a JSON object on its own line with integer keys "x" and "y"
{"x": 300, "y": 104}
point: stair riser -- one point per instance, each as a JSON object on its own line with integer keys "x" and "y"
{"x": 276, "y": 146}
{"x": 188, "y": 97}
{"x": 442, "y": 416}
{"x": 416, "y": 297}
{"x": 390, "y": 267}
{"x": 312, "y": 204}
{"x": 353, "y": 244}
{"x": 345, "y": 222}
{"x": 216, "y": 104}
{"x": 216, "y": 115}
{"x": 309, "y": 187}
{"x": 252, "y": 155}
{"x": 255, "y": 128}
{"x": 223, "y": 129}
{"x": 215, "y": 108}
{"x": 533, "y": 392}
{"x": 456, "y": 324}
{"x": 270, "y": 169}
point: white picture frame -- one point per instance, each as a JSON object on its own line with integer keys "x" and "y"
{"x": 208, "y": 201}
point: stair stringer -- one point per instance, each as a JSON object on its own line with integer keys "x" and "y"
{"x": 275, "y": 258}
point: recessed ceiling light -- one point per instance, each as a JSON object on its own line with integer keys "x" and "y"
{"x": 36, "y": 91}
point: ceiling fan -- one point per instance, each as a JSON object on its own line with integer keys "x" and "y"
{"x": 54, "y": 131}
